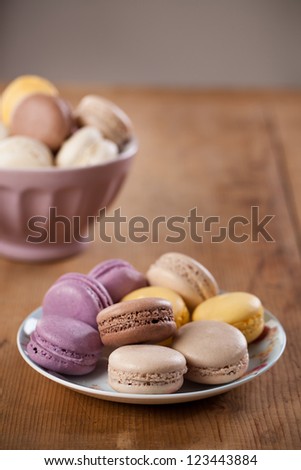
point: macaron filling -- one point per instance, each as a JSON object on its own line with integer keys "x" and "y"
{"x": 231, "y": 369}
{"x": 41, "y": 346}
{"x": 135, "y": 319}
{"x": 147, "y": 379}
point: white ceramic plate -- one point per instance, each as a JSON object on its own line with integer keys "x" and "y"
{"x": 263, "y": 354}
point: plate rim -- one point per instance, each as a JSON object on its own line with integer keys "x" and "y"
{"x": 150, "y": 399}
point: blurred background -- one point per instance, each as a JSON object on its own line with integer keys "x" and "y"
{"x": 186, "y": 43}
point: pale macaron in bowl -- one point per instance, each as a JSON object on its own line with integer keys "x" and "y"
{"x": 52, "y": 190}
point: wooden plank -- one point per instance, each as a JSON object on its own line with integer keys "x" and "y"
{"x": 285, "y": 125}
{"x": 215, "y": 152}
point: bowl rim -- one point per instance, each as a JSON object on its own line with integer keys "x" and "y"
{"x": 128, "y": 152}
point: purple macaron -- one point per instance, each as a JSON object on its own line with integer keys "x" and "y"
{"x": 78, "y": 296}
{"x": 64, "y": 345}
{"x": 119, "y": 277}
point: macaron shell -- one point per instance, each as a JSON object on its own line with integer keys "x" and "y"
{"x": 20, "y": 88}
{"x": 119, "y": 277}
{"x": 184, "y": 275}
{"x": 240, "y": 309}
{"x": 106, "y": 266}
{"x": 43, "y": 117}
{"x": 216, "y": 352}
{"x": 146, "y": 369}
{"x": 180, "y": 311}
{"x": 99, "y": 291}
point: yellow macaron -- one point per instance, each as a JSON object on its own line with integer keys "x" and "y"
{"x": 240, "y": 309}
{"x": 180, "y": 310}
{"x": 20, "y": 88}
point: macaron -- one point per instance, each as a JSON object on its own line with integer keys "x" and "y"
{"x": 43, "y": 117}
{"x": 77, "y": 296}
{"x": 185, "y": 275}
{"x": 108, "y": 118}
{"x": 146, "y": 369}
{"x": 64, "y": 345}
{"x": 119, "y": 278}
{"x": 136, "y": 321}
{"x": 240, "y": 309}
{"x": 24, "y": 152}
{"x": 215, "y": 352}
{"x": 21, "y": 87}
{"x": 180, "y": 311}
{"x": 86, "y": 147}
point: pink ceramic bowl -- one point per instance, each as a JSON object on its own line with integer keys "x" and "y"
{"x": 44, "y": 213}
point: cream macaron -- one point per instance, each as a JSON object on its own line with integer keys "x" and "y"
{"x": 146, "y": 369}
{"x": 24, "y": 152}
{"x": 185, "y": 275}
{"x": 240, "y": 309}
{"x": 86, "y": 147}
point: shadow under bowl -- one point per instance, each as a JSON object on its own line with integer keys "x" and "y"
{"x": 45, "y": 213}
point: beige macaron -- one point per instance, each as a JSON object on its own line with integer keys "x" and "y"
{"x": 216, "y": 353}
{"x": 146, "y": 369}
{"x": 108, "y": 118}
{"x": 185, "y": 275}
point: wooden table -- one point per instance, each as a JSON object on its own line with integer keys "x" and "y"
{"x": 219, "y": 152}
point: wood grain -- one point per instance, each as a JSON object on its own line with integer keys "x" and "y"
{"x": 221, "y": 152}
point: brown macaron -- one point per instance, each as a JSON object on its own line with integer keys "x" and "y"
{"x": 147, "y": 320}
{"x": 43, "y": 117}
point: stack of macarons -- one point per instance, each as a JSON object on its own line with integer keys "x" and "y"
{"x": 66, "y": 339}
{"x": 40, "y": 129}
{"x": 171, "y": 324}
